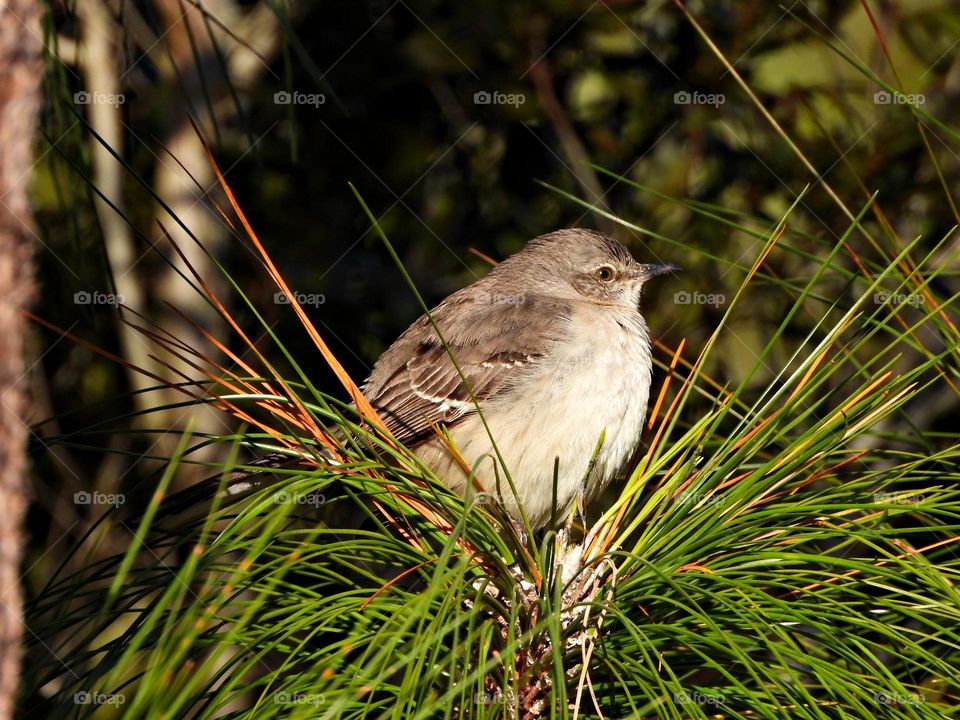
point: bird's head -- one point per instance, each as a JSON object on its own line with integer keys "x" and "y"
{"x": 585, "y": 265}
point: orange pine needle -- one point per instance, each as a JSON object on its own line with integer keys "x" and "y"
{"x": 666, "y": 384}
{"x": 363, "y": 405}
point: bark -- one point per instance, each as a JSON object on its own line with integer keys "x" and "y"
{"x": 19, "y": 98}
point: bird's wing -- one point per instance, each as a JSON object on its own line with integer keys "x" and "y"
{"x": 415, "y": 384}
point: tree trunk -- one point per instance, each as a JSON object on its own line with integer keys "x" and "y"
{"x": 19, "y": 98}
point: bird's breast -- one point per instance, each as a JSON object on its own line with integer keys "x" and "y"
{"x": 593, "y": 383}
{"x": 601, "y": 384}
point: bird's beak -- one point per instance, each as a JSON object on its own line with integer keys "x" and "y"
{"x": 652, "y": 270}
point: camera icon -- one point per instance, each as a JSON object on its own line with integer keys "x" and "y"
{"x": 82, "y": 98}
{"x": 681, "y": 298}
{"x": 482, "y": 98}
{"x": 280, "y": 298}
{"x": 682, "y": 97}
{"x": 882, "y": 97}
{"x": 82, "y": 498}
{"x": 484, "y": 499}
{"x": 82, "y": 297}
{"x": 282, "y": 98}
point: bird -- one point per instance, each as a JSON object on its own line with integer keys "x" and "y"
{"x": 539, "y": 371}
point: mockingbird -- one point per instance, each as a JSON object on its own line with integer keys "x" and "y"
{"x": 555, "y": 354}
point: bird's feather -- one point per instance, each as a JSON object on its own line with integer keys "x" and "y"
{"x": 415, "y": 383}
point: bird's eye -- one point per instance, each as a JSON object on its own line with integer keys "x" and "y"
{"x": 605, "y": 273}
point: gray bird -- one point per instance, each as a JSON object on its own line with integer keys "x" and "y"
{"x": 552, "y": 345}
{"x": 556, "y": 354}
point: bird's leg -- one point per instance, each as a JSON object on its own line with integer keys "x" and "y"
{"x": 582, "y": 504}
{"x": 569, "y": 553}
{"x": 577, "y": 510}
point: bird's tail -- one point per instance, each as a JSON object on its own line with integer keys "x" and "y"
{"x": 247, "y": 479}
